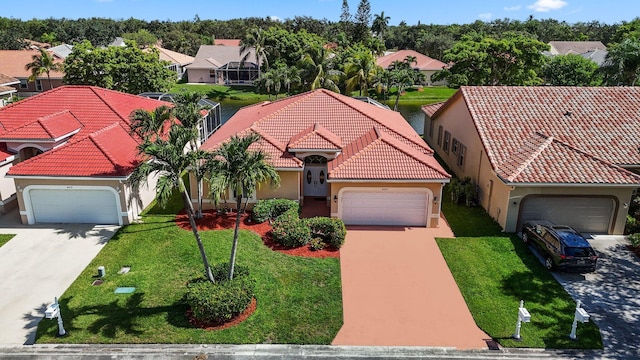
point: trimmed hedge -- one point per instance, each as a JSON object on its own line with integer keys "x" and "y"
{"x": 291, "y": 231}
{"x": 331, "y": 231}
{"x": 220, "y": 302}
{"x": 272, "y": 209}
{"x": 635, "y": 240}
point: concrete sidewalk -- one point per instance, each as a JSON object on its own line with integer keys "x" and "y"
{"x": 38, "y": 264}
{"x": 398, "y": 291}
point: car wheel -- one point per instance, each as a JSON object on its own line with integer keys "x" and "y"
{"x": 525, "y": 237}
{"x": 548, "y": 263}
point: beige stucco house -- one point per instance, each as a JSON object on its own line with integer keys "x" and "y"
{"x": 13, "y": 62}
{"x": 222, "y": 64}
{"x": 66, "y": 156}
{"x": 365, "y": 162}
{"x": 565, "y": 154}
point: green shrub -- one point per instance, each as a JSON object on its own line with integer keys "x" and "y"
{"x": 220, "y": 302}
{"x": 331, "y": 231}
{"x": 316, "y": 244}
{"x": 272, "y": 209}
{"x": 635, "y": 240}
{"x": 289, "y": 230}
{"x": 632, "y": 225}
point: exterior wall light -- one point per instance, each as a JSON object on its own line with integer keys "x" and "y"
{"x": 335, "y": 198}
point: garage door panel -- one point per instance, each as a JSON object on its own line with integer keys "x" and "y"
{"x": 402, "y": 208}
{"x": 73, "y": 206}
{"x": 586, "y": 214}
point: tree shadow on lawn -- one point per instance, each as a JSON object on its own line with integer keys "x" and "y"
{"x": 219, "y": 95}
{"x": 114, "y": 317}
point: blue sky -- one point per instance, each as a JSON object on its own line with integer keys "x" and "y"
{"x": 411, "y": 11}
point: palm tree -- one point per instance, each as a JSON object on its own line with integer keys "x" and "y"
{"x": 255, "y": 40}
{"x": 43, "y": 63}
{"x": 401, "y": 79}
{"x": 233, "y": 166}
{"x": 410, "y": 60}
{"x": 380, "y": 24}
{"x": 316, "y": 71}
{"x": 291, "y": 78}
{"x": 360, "y": 71}
{"x": 171, "y": 158}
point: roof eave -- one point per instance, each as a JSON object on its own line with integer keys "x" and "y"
{"x": 412, "y": 181}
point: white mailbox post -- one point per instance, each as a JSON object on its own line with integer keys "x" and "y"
{"x": 53, "y": 311}
{"x": 580, "y": 315}
{"x": 523, "y": 316}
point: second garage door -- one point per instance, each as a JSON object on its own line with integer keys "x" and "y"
{"x": 585, "y": 214}
{"x": 370, "y": 207}
{"x": 74, "y": 206}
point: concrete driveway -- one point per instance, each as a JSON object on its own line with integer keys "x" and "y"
{"x": 398, "y": 291}
{"x": 611, "y": 295}
{"x": 38, "y": 264}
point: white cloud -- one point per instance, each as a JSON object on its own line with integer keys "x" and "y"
{"x": 275, "y": 18}
{"x": 513, "y": 8}
{"x": 547, "y": 5}
{"x": 485, "y": 16}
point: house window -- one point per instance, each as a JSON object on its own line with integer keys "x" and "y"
{"x": 431, "y": 128}
{"x": 462, "y": 150}
{"x": 212, "y": 73}
{"x": 447, "y": 140}
{"x": 454, "y": 146}
{"x": 38, "y": 85}
{"x": 439, "y": 135}
{"x": 24, "y": 84}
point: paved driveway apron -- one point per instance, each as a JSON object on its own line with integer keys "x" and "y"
{"x": 38, "y": 264}
{"x": 398, "y": 291}
{"x": 611, "y": 295}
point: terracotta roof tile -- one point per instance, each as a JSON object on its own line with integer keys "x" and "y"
{"x": 315, "y": 137}
{"x": 595, "y": 121}
{"x": 423, "y": 61}
{"x": 431, "y": 108}
{"x": 51, "y": 127}
{"x": 101, "y": 147}
{"x": 12, "y": 63}
{"x": 338, "y": 118}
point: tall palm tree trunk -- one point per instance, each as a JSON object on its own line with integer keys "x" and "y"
{"x": 50, "y": 84}
{"x": 194, "y": 228}
{"x": 234, "y": 247}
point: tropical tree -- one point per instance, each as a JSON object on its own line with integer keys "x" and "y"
{"x": 622, "y": 66}
{"x": 255, "y": 40}
{"x": 234, "y": 167}
{"x": 43, "y": 63}
{"x": 571, "y": 70}
{"x": 360, "y": 71}
{"x": 317, "y": 71}
{"x": 401, "y": 79}
{"x": 380, "y": 24}
{"x": 170, "y": 157}
{"x": 362, "y": 19}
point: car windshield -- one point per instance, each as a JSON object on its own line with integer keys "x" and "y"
{"x": 579, "y": 251}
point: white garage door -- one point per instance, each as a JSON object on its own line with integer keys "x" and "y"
{"x": 405, "y": 208}
{"x": 74, "y": 206}
{"x": 585, "y": 214}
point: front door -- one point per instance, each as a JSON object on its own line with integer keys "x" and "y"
{"x": 315, "y": 180}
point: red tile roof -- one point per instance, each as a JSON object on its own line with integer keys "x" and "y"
{"x": 588, "y": 127}
{"x": 227, "y": 42}
{"x": 102, "y": 145}
{"x": 329, "y": 120}
{"x": 51, "y": 127}
{"x": 423, "y": 61}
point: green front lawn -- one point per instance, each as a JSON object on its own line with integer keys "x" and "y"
{"x": 495, "y": 270}
{"x": 4, "y": 238}
{"x": 299, "y": 299}
{"x": 223, "y": 92}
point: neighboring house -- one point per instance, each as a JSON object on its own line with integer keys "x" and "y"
{"x": 424, "y": 64}
{"x": 61, "y": 51}
{"x": 177, "y": 61}
{"x": 364, "y": 161}
{"x": 68, "y": 156}
{"x": 6, "y": 89}
{"x": 592, "y": 50}
{"x": 227, "y": 42}
{"x": 118, "y": 41}
{"x": 221, "y": 64}
{"x": 564, "y": 154}
{"x": 13, "y": 62}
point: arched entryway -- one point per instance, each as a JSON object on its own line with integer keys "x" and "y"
{"x": 315, "y": 176}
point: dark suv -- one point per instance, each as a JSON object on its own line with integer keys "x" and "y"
{"x": 561, "y": 246}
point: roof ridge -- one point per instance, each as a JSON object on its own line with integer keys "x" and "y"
{"x": 301, "y": 97}
{"x": 344, "y": 160}
{"x": 533, "y": 156}
{"x": 92, "y": 138}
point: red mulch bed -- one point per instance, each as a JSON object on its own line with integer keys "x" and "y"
{"x": 233, "y": 322}
{"x": 211, "y": 220}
